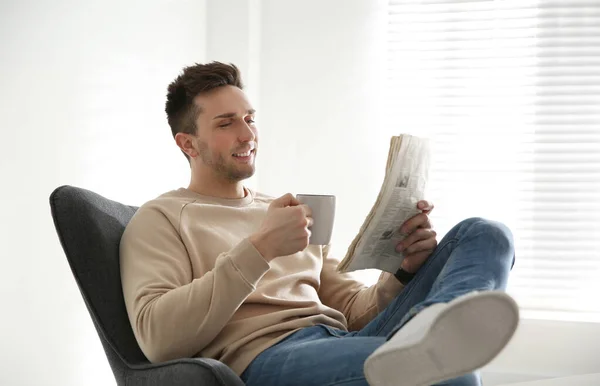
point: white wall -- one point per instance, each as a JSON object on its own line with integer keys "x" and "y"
{"x": 321, "y": 72}
{"x": 82, "y": 103}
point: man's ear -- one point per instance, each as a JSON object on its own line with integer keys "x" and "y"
{"x": 187, "y": 144}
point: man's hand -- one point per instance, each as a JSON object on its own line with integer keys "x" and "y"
{"x": 420, "y": 242}
{"x": 285, "y": 229}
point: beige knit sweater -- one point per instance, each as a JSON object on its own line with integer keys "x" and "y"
{"x": 195, "y": 286}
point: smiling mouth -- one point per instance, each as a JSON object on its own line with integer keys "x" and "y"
{"x": 245, "y": 154}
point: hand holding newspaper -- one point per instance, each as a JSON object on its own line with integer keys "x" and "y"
{"x": 404, "y": 184}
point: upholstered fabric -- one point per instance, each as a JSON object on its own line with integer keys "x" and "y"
{"x": 89, "y": 227}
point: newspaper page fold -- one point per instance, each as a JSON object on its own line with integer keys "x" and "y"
{"x": 407, "y": 171}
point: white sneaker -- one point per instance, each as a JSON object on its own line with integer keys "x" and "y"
{"x": 445, "y": 341}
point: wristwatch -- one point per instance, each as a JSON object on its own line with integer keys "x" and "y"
{"x": 403, "y": 276}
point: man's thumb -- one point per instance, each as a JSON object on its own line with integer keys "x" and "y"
{"x": 287, "y": 199}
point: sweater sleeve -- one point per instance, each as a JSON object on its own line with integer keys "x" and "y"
{"x": 174, "y": 315}
{"x": 358, "y": 303}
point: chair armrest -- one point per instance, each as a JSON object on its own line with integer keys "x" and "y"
{"x": 184, "y": 372}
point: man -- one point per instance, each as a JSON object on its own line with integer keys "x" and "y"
{"x": 217, "y": 270}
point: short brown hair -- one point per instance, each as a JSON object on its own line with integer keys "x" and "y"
{"x": 181, "y": 110}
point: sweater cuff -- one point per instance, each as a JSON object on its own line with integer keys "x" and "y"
{"x": 390, "y": 285}
{"x": 249, "y": 262}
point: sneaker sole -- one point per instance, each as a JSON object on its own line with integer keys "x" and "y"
{"x": 463, "y": 338}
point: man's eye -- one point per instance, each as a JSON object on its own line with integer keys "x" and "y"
{"x": 225, "y": 124}
{"x": 250, "y": 121}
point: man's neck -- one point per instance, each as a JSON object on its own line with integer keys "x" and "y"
{"x": 221, "y": 189}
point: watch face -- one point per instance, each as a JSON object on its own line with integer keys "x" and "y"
{"x": 403, "y": 276}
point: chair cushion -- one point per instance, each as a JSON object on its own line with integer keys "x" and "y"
{"x": 90, "y": 227}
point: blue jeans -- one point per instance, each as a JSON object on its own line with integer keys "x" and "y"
{"x": 476, "y": 254}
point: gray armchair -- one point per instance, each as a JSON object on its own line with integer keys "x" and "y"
{"x": 90, "y": 227}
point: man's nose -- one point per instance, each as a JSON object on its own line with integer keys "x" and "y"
{"x": 247, "y": 133}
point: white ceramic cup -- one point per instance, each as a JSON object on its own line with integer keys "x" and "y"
{"x": 323, "y": 214}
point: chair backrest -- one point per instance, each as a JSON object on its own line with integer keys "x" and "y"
{"x": 90, "y": 227}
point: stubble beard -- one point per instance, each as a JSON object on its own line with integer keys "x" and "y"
{"x": 219, "y": 164}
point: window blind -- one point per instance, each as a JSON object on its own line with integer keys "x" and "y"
{"x": 509, "y": 93}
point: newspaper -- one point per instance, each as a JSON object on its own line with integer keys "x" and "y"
{"x": 404, "y": 185}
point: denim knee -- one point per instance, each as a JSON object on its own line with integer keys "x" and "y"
{"x": 498, "y": 234}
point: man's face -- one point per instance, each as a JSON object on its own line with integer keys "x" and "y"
{"x": 226, "y": 134}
